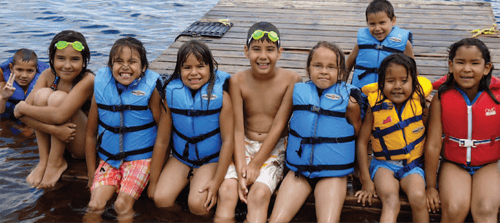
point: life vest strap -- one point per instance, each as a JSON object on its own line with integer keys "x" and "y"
{"x": 407, "y": 149}
{"x": 368, "y": 70}
{"x": 379, "y": 47}
{"x": 408, "y": 167}
{"x": 199, "y": 162}
{"x": 379, "y": 133}
{"x": 318, "y": 140}
{"x": 123, "y": 155}
{"x": 195, "y": 113}
{"x": 316, "y": 168}
{"x": 472, "y": 142}
{"x": 13, "y": 101}
{"x": 383, "y": 106}
{"x": 119, "y": 108}
{"x": 193, "y": 140}
{"x": 118, "y": 130}
{"x": 318, "y": 110}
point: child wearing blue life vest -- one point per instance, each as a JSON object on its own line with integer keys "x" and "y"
{"x": 464, "y": 130}
{"x": 395, "y": 123}
{"x": 320, "y": 152}
{"x": 381, "y": 39}
{"x": 18, "y": 76}
{"x": 57, "y": 107}
{"x": 202, "y": 131}
{"x": 122, "y": 128}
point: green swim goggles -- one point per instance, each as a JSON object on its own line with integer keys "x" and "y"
{"x": 257, "y": 34}
{"x": 77, "y": 45}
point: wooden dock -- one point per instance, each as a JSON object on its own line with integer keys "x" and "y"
{"x": 435, "y": 26}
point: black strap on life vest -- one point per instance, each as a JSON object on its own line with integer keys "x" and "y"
{"x": 379, "y": 47}
{"x": 123, "y": 155}
{"x": 13, "y": 101}
{"x": 318, "y": 110}
{"x": 195, "y": 113}
{"x": 318, "y": 140}
{"x": 199, "y": 162}
{"x": 367, "y": 70}
{"x": 119, "y": 108}
{"x": 316, "y": 168}
{"x": 383, "y": 106}
{"x": 193, "y": 140}
{"x": 118, "y": 130}
{"x": 408, "y": 167}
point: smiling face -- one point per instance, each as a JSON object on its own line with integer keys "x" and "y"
{"x": 380, "y": 25}
{"x": 25, "y": 71}
{"x": 68, "y": 63}
{"x": 397, "y": 85}
{"x": 263, "y": 56}
{"x": 323, "y": 69}
{"x": 127, "y": 66}
{"x": 194, "y": 73}
{"x": 468, "y": 67}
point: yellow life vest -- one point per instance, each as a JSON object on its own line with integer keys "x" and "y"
{"x": 397, "y": 137}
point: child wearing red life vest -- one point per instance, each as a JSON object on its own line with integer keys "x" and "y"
{"x": 465, "y": 112}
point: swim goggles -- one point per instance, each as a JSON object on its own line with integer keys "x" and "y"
{"x": 77, "y": 45}
{"x": 257, "y": 34}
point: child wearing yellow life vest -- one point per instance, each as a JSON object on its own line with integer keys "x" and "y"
{"x": 395, "y": 123}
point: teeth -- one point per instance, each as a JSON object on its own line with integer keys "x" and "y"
{"x": 125, "y": 74}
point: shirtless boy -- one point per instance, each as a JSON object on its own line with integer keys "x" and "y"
{"x": 262, "y": 104}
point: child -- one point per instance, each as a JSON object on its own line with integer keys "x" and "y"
{"x": 395, "y": 121}
{"x": 56, "y": 108}
{"x": 202, "y": 117}
{"x": 262, "y": 102}
{"x": 123, "y": 116}
{"x": 465, "y": 112}
{"x": 25, "y": 69}
{"x": 323, "y": 127}
{"x": 381, "y": 39}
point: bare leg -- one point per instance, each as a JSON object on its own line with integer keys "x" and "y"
{"x": 171, "y": 182}
{"x": 258, "y": 200}
{"x": 228, "y": 199}
{"x": 98, "y": 199}
{"x": 388, "y": 191}
{"x": 201, "y": 177}
{"x": 455, "y": 192}
{"x": 124, "y": 205}
{"x": 486, "y": 194}
{"x": 330, "y": 194}
{"x": 414, "y": 187}
{"x": 43, "y": 140}
{"x": 292, "y": 194}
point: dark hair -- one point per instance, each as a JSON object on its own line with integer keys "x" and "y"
{"x": 201, "y": 51}
{"x": 485, "y": 81}
{"x": 411, "y": 70}
{"x": 377, "y": 6}
{"x": 25, "y": 55}
{"x": 342, "y": 73}
{"x": 264, "y": 26}
{"x": 70, "y": 36}
{"x": 133, "y": 44}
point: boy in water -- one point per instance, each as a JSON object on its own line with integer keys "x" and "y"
{"x": 262, "y": 104}
{"x": 381, "y": 39}
{"x": 18, "y": 75}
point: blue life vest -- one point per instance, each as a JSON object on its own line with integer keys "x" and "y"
{"x": 127, "y": 128}
{"x": 372, "y": 52}
{"x": 321, "y": 141}
{"x": 196, "y": 132}
{"x": 19, "y": 94}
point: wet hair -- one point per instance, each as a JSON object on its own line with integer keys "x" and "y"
{"x": 70, "y": 36}
{"x": 133, "y": 44}
{"x": 201, "y": 51}
{"x": 264, "y": 26}
{"x": 485, "y": 81}
{"x": 25, "y": 55}
{"x": 342, "y": 75}
{"x": 411, "y": 71}
{"x": 377, "y": 6}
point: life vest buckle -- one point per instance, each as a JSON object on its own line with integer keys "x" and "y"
{"x": 315, "y": 109}
{"x": 467, "y": 143}
{"x": 379, "y": 47}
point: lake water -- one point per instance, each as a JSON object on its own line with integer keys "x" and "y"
{"x": 32, "y": 24}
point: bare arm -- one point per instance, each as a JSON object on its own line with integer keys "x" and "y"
{"x": 353, "y": 115}
{"x": 3, "y": 98}
{"x": 69, "y": 106}
{"x": 409, "y": 50}
{"x": 239, "y": 126}
{"x": 368, "y": 188}
{"x": 433, "y": 143}
{"x": 351, "y": 60}
{"x": 161, "y": 149}
{"x": 90, "y": 141}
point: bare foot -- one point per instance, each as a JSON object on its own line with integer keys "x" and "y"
{"x": 52, "y": 174}
{"x": 92, "y": 216}
{"x": 36, "y": 175}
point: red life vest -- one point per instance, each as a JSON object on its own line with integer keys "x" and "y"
{"x": 471, "y": 129}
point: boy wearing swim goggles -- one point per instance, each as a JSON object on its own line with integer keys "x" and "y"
{"x": 260, "y": 134}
